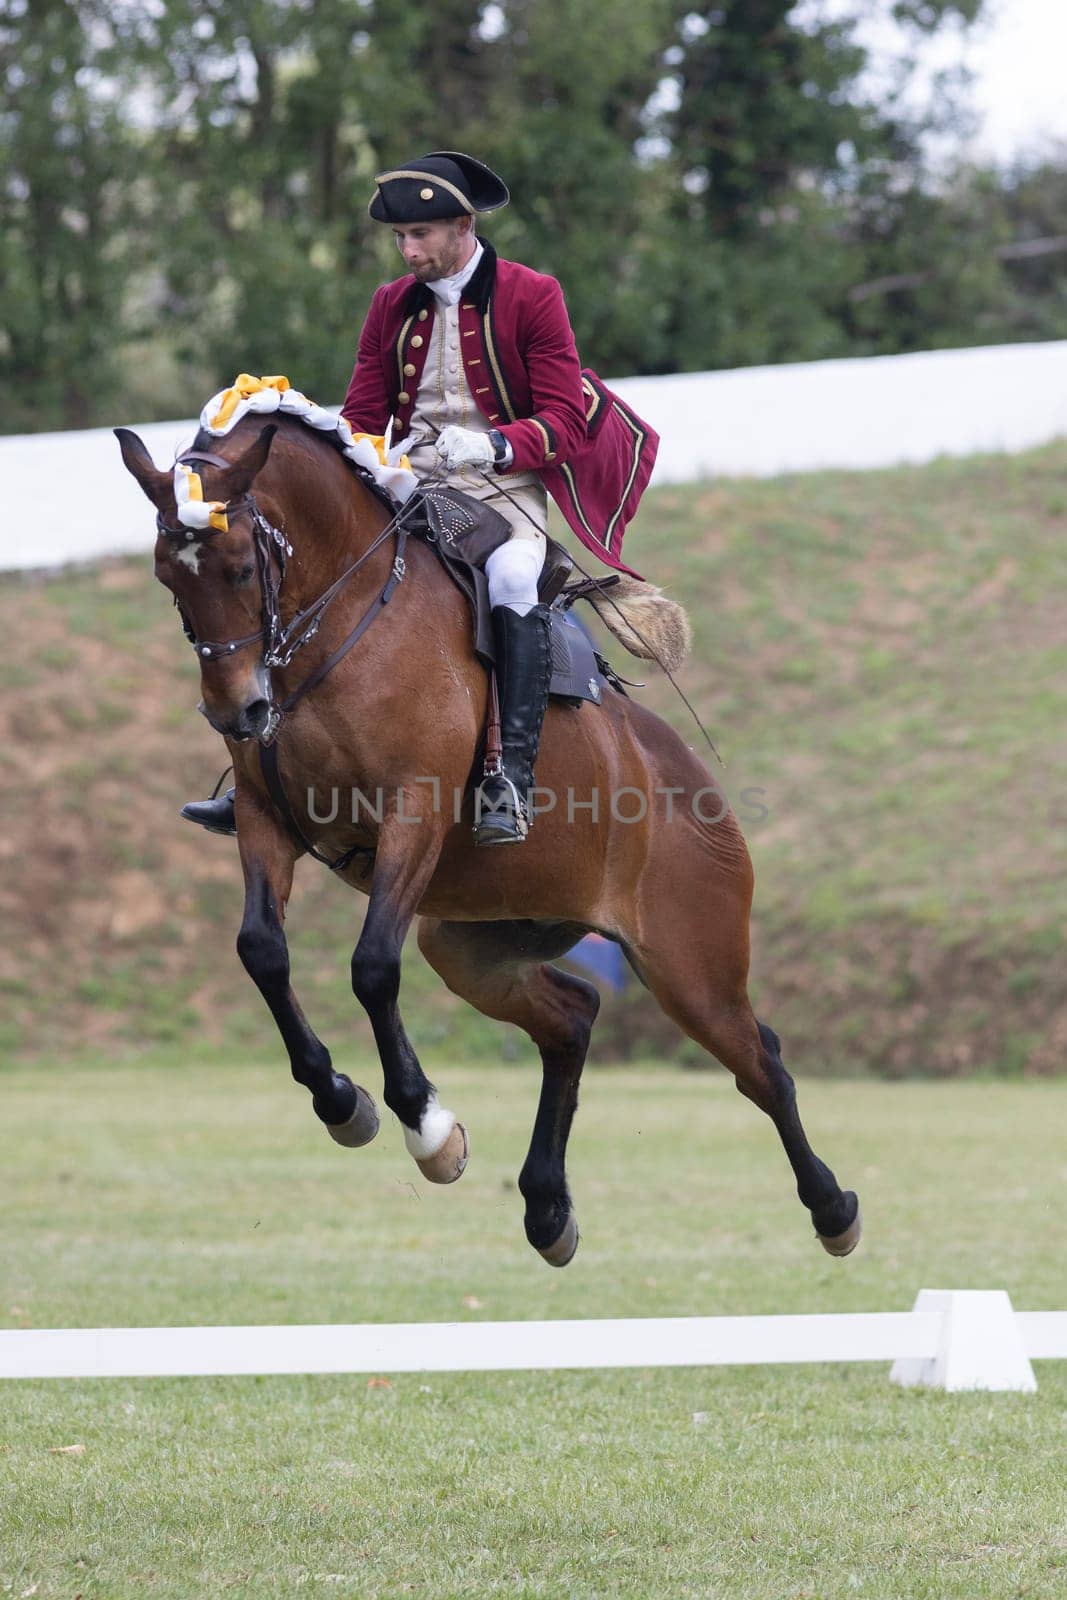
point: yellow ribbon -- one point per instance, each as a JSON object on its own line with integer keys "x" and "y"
{"x": 218, "y": 519}
{"x": 377, "y": 443}
{"x": 243, "y": 386}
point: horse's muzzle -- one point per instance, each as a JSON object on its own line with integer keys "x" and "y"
{"x": 247, "y": 723}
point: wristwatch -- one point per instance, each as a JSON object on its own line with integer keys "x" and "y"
{"x": 500, "y": 446}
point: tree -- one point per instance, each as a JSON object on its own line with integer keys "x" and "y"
{"x": 65, "y": 240}
{"x": 771, "y": 141}
{"x": 184, "y": 188}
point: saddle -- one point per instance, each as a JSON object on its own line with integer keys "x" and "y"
{"x": 463, "y": 533}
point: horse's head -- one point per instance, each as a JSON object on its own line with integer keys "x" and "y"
{"x": 218, "y": 566}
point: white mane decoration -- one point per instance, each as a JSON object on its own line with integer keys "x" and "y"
{"x": 248, "y": 395}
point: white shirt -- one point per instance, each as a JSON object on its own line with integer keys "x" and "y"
{"x": 450, "y": 290}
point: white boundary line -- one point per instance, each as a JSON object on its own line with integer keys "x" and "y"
{"x": 921, "y": 1341}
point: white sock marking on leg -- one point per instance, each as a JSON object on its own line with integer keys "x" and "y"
{"x": 433, "y": 1130}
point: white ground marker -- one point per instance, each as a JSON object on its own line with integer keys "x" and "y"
{"x": 980, "y": 1347}
{"x": 953, "y": 1339}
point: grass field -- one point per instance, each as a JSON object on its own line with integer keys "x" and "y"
{"x": 151, "y": 1195}
{"x": 880, "y": 654}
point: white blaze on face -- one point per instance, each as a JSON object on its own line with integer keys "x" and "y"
{"x": 189, "y": 556}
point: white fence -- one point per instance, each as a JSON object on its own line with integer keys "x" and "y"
{"x": 970, "y": 1339}
{"x": 67, "y": 496}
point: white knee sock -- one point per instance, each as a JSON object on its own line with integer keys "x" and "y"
{"x": 513, "y": 571}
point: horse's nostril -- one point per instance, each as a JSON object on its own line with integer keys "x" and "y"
{"x": 256, "y": 715}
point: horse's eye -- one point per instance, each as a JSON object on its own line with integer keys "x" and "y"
{"x": 243, "y": 574}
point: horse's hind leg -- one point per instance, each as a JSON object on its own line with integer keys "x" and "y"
{"x": 501, "y": 969}
{"x": 752, "y": 1052}
{"x": 267, "y": 859}
{"x": 694, "y": 958}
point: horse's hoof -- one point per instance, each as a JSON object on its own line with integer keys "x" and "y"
{"x": 448, "y": 1163}
{"x": 361, "y": 1126}
{"x": 843, "y": 1244}
{"x": 558, "y": 1254}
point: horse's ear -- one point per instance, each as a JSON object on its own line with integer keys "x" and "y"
{"x": 243, "y": 470}
{"x": 155, "y": 484}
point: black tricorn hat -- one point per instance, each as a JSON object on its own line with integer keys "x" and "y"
{"x": 445, "y": 183}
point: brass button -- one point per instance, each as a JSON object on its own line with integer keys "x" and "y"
{"x": 403, "y": 397}
{"x": 425, "y": 194}
{"x": 416, "y": 341}
{"x": 423, "y": 314}
{"x": 550, "y": 455}
{"x": 409, "y": 370}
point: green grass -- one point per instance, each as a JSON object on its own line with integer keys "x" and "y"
{"x": 153, "y": 1195}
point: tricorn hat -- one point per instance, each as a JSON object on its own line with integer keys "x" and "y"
{"x": 445, "y": 183}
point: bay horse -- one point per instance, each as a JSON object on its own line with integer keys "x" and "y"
{"x": 631, "y": 846}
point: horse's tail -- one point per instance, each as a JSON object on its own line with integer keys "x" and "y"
{"x": 644, "y": 620}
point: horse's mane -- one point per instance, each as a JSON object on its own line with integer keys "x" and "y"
{"x": 295, "y": 430}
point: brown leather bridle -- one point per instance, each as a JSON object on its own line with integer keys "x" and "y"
{"x": 282, "y": 642}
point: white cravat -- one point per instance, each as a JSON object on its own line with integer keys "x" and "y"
{"x": 450, "y": 290}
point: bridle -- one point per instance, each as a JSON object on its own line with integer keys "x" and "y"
{"x": 283, "y": 641}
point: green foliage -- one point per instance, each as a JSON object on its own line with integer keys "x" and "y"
{"x": 183, "y": 188}
{"x": 67, "y": 234}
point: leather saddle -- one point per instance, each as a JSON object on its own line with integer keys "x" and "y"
{"x": 464, "y": 533}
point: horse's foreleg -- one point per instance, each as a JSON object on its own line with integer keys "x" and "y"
{"x": 502, "y": 969}
{"x": 404, "y": 864}
{"x": 267, "y": 859}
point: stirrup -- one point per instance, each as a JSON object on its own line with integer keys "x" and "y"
{"x": 503, "y": 821}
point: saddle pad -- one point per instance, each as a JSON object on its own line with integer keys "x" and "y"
{"x": 575, "y": 674}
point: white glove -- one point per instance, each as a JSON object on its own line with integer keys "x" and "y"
{"x": 462, "y": 447}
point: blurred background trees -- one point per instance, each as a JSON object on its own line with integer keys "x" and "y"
{"x": 183, "y": 188}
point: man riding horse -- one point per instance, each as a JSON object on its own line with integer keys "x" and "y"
{"x": 473, "y": 361}
{"x": 401, "y": 717}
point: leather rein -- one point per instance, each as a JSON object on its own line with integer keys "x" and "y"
{"x": 283, "y": 641}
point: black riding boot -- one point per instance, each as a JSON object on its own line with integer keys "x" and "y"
{"x": 524, "y": 671}
{"x": 217, "y": 816}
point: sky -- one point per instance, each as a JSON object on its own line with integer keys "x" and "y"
{"x": 1018, "y": 55}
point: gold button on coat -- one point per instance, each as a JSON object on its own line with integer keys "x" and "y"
{"x": 409, "y": 370}
{"x": 416, "y": 341}
{"x": 423, "y": 314}
{"x": 403, "y": 397}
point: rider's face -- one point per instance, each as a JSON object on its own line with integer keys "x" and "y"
{"x": 433, "y": 250}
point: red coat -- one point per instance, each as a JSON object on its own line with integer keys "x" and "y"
{"x": 592, "y": 453}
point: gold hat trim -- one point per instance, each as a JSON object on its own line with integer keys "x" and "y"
{"x": 426, "y": 177}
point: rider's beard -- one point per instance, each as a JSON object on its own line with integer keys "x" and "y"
{"x": 446, "y": 263}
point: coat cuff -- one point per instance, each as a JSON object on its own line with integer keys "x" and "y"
{"x": 534, "y": 442}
